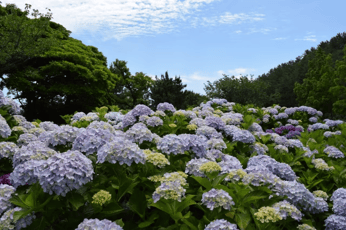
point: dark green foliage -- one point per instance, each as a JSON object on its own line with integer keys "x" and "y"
{"x": 320, "y": 77}
{"x": 21, "y": 37}
{"x": 242, "y": 91}
{"x": 171, "y": 90}
{"x": 130, "y": 90}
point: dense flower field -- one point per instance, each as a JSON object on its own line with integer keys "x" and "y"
{"x": 213, "y": 167}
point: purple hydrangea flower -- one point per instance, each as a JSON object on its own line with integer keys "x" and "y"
{"x": 98, "y": 224}
{"x": 221, "y": 224}
{"x": 217, "y": 198}
{"x": 165, "y": 106}
{"x": 215, "y": 122}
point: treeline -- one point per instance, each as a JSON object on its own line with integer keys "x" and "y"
{"x": 58, "y": 75}
{"x": 318, "y": 80}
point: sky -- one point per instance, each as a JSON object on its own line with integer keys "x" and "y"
{"x": 197, "y": 40}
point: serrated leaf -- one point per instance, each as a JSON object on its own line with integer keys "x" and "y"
{"x": 243, "y": 220}
{"x": 203, "y": 181}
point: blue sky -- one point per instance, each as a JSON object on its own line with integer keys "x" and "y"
{"x": 198, "y": 40}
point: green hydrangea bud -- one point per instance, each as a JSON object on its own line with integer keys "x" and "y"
{"x": 191, "y": 127}
{"x": 101, "y": 197}
{"x": 266, "y": 214}
{"x": 172, "y": 125}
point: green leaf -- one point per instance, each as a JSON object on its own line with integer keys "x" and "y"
{"x": 138, "y": 203}
{"x": 112, "y": 208}
{"x": 151, "y": 220}
{"x": 243, "y": 220}
{"x": 76, "y": 200}
{"x": 185, "y": 203}
{"x": 254, "y": 195}
{"x": 163, "y": 206}
{"x": 203, "y": 181}
{"x": 20, "y": 214}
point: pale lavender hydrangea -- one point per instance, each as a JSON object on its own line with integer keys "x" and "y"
{"x": 114, "y": 116}
{"x": 189, "y": 114}
{"x": 317, "y": 126}
{"x": 6, "y": 221}
{"x": 195, "y": 143}
{"x": 229, "y": 130}
{"x": 205, "y": 113}
{"x": 89, "y": 224}
{"x": 8, "y": 149}
{"x": 216, "y": 143}
{"x": 49, "y": 126}
{"x": 335, "y": 222}
{"x": 35, "y": 150}
{"x": 313, "y": 119}
{"x": 5, "y": 130}
{"x": 27, "y": 125}
{"x": 215, "y": 122}
{"x": 293, "y": 122}
{"x": 309, "y": 110}
{"x": 14, "y": 106}
{"x": 169, "y": 190}
{"x": 165, "y": 106}
{"x": 78, "y": 116}
{"x": 6, "y": 192}
{"x": 280, "y": 116}
{"x": 282, "y": 170}
{"x": 243, "y": 136}
{"x": 198, "y": 121}
{"x": 333, "y": 152}
{"x": 208, "y": 132}
{"x": 91, "y": 140}
{"x": 259, "y": 148}
{"x": 217, "y": 198}
{"x": 139, "y": 133}
{"x": 63, "y": 135}
{"x": 25, "y": 139}
{"x": 340, "y": 193}
{"x": 221, "y": 224}
{"x": 255, "y": 127}
{"x": 26, "y": 173}
{"x": 290, "y": 111}
{"x": 273, "y": 111}
{"x": 300, "y": 196}
{"x": 154, "y": 121}
{"x": 64, "y": 172}
{"x": 171, "y": 143}
{"x": 332, "y": 123}
{"x": 122, "y": 151}
{"x": 286, "y": 209}
{"x": 192, "y": 167}
{"x": 259, "y": 175}
{"x": 101, "y": 125}
{"x": 218, "y": 101}
{"x": 228, "y": 163}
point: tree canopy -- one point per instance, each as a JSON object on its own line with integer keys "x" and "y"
{"x": 242, "y": 90}
{"x": 320, "y": 77}
{"x": 67, "y": 78}
{"x": 130, "y": 90}
{"x": 21, "y": 36}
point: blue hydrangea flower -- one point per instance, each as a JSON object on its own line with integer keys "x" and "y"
{"x": 273, "y": 111}
{"x": 25, "y": 139}
{"x": 91, "y": 140}
{"x": 243, "y": 136}
{"x": 139, "y": 133}
{"x": 114, "y": 116}
{"x": 332, "y": 123}
{"x": 169, "y": 190}
{"x": 280, "y": 116}
{"x": 195, "y": 143}
{"x": 25, "y": 173}
{"x": 286, "y": 209}
{"x": 154, "y": 121}
{"x": 215, "y": 143}
{"x": 8, "y": 149}
{"x": 98, "y": 224}
{"x": 35, "y": 150}
{"x": 5, "y": 130}
{"x": 15, "y": 108}
{"x": 165, "y": 106}
{"x": 6, "y": 192}
{"x": 313, "y": 119}
{"x": 172, "y": 143}
{"x": 221, "y": 224}
{"x": 64, "y": 172}
{"x": 198, "y": 121}
{"x": 340, "y": 193}
{"x": 218, "y": 101}
{"x": 333, "y": 152}
{"x": 208, "y": 132}
{"x": 63, "y": 135}
{"x": 335, "y": 222}
{"x": 78, "y": 116}
{"x": 6, "y": 221}
{"x": 192, "y": 167}
{"x": 121, "y": 150}
{"x": 217, "y": 198}
{"x": 290, "y": 111}
{"x": 215, "y": 122}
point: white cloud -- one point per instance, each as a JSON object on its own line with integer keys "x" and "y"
{"x": 279, "y": 39}
{"x": 308, "y": 38}
{"x": 117, "y": 19}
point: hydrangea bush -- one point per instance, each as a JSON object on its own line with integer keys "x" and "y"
{"x": 212, "y": 167}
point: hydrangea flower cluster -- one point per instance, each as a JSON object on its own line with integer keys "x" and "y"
{"x": 334, "y": 152}
{"x": 98, "y": 224}
{"x": 165, "y": 106}
{"x": 120, "y": 150}
{"x": 208, "y": 132}
{"x": 280, "y": 116}
{"x": 131, "y": 117}
{"x": 217, "y": 198}
{"x": 158, "y": 159}
{"x": 7, "y": 221}
{"x": 215, "y": 122}
{"x": 5, "y": 130}
{"x": 337, "y": 220}
{"x": 101, "y": 197}
{"x": 15, "y": 108}
{"x": 329, "y": 133}
{"x": 290, "y": 131}
{"x": 139, "y": 133}
{"x": 332, "y": 123}
{"x": 221, "y": 224}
